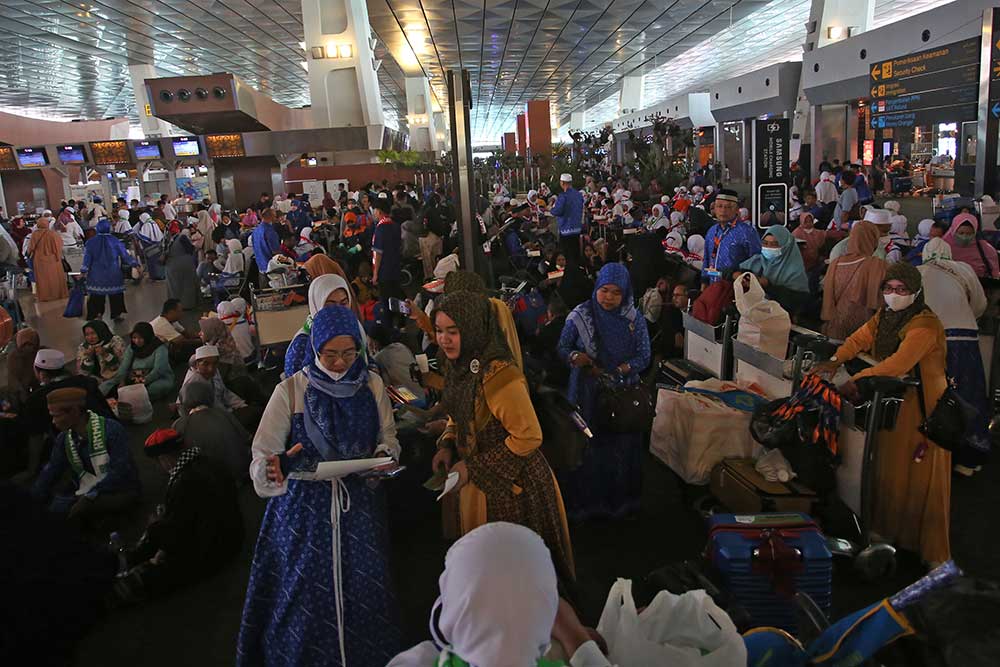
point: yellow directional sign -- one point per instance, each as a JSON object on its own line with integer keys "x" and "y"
{"x": 875, "y": 72}
{"x": 996, "y": 68}
{"x": 149, "y": 110}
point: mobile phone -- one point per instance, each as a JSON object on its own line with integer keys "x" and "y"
{"x": 398, "y": 306}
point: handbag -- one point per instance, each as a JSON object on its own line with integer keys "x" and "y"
{"x": 947, "y": 425}
{"x": 623, "y": 408}
{"x": 74, "y": 306}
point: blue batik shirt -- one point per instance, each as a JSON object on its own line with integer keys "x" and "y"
{"x": 727, "y": 245}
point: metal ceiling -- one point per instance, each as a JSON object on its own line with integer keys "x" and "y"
{"x": 66, "y": 59}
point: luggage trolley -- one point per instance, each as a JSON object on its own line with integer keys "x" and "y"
{"x": 276, "y": 321}
{"x": 710, "y": 347}
{"x": 855, "y": 474}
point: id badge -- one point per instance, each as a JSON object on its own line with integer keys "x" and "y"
{"x": 713, "y": 272}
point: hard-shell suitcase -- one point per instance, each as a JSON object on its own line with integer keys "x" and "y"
{"x": 764, "y": 559}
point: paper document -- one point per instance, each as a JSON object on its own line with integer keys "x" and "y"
{"x": 334, "y": 469}
{"x": 449, "y": 484}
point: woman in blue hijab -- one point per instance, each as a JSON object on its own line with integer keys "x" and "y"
{"x": 604, "y": 334}
{"x": 320, "y": 589}
{"x": 103, "y": 256}
{"x": 780, "y": 270}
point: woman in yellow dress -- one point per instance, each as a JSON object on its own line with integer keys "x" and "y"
{"x": 493, "y": 437}
{"x": 911, "y": 497}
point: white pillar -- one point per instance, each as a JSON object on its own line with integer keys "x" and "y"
{"x": 420, "y": 116}
{"x": 630, "y": 98}
{"x": 152, "y": 126}
{"x": 343, "y": 85}
{"x": 441, "y": 130}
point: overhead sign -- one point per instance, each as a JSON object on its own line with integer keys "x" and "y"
{"x": 771, "y": 138}
{"x": 932, "y": 86}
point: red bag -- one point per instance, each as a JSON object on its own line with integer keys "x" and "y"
{"x": 712, "y": 301}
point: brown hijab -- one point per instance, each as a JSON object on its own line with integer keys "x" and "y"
{"x": 856, "y": 276}
{"x": 321, "y": 265}
{"x": 21, "y": 362}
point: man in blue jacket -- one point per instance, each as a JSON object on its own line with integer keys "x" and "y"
{"x": 569, "y": 213}
{"x": 265, "y": 242}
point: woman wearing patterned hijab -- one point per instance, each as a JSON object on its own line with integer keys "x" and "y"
{"x": 320, "y": 588}
{"x": 912, "y": 505}
{"x": 605, "y": 334}
{"x": 493, "y": 437}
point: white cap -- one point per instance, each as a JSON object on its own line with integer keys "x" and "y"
{"x": 206, "y": 352}
{"x": 50, "y": 360}
{"x": 626, "y": 195}
{"x": 891, "y": 205}
{"x": 665, "y": 199}
{"x": 566, "y": 178}
{"x": 877, "y": 216}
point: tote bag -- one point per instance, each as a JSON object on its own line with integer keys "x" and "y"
{"x": 764, "y": 324}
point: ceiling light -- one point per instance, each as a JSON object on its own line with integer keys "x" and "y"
{"x": 305, "y": 65}
{"x": 345, "y": 51}
{"x": 836, "y": 32}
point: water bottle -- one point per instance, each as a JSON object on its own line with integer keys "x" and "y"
{"x": 116, "y": 547}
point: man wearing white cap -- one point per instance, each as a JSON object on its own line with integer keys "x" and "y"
{"x": 205, "y": 368}
{"x": 881, "y": 219}
{"x": 568, "y": 212}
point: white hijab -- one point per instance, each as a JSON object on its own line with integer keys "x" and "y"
{"x": 148, "y": 228}
{"x": 235, "y": 261}
{"x": 826, "y": 191}
{"x": 498, "y": 600}
{"x": 322, "y": 287}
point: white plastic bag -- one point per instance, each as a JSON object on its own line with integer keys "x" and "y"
{"x": 674, "y": 630}
{"x": 137, "y": 398}
{"x": 764, "y": 324}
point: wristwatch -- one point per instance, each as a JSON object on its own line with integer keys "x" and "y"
{"x": 573, "y": 355}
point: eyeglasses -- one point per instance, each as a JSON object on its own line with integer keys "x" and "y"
{"x": 347, "y": 356}
{"x": 902, "y": 290}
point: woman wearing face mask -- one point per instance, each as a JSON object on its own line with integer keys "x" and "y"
{"x": 605, "y": 334}
{"x": 911, "y": 506}
{"x": 320, "y": 588}
{"x": 492, "y": 613}
{"x": 780, "y": 270}
{"x": 493, "y": 437}
{"x": 326, "y": 290}
{"x": 978, "y": 254}
{"x": 954, "y": 293}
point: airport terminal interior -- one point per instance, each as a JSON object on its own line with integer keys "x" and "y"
{"x": 400, "y": 333}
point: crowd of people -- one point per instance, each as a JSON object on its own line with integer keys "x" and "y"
{"x": 402, "y": 343}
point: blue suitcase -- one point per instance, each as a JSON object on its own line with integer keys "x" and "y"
{"x": 764, "y": 559}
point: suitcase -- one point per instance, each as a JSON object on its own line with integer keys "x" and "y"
{"x": 764, "y": 559}
{"x": 741, "y": 489}
{"x": 677, "y": 372}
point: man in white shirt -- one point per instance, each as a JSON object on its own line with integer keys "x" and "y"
{"x": 169, "y": 212}
{"x": 168, "y": 329}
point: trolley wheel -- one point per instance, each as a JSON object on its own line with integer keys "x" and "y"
{"x": 876, "y": 561}
{"x": 706, "y": 505}
{"x": 405, "y": 277}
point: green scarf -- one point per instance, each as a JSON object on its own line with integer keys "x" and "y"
{"x": 99, "y": 459}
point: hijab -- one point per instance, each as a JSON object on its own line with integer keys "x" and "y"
{"x": 321, "y": 265}
{"x": 236, "y": 261}
{"x": 898, "y": 228}
{"x": 322, "y": 287}
{"x": 785, "y": 270}
{"x": 464, "y": 281}
{"x": 491, "y": 611}
{"x": 924, "y": 230}
{"x": 482, "y": 343}
{"x": 215, "y": 332}
{"x": 891, "y": 322}
{"x": 696, "y": 245}
{"x": 150, "y": 341}
{"x": 104, "y": 334}
{"x": 980, "y": 255}
{"x": 250, "y": 218}
{"x": 856, "y": 276}
{"x": 21, "y": 361}
{"x": 826, "y": 191}
{"x": 614, "y": 329}
{"x": 149, "y": 229}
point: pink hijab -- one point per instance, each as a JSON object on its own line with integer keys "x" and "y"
{"x": 970, "y": 254}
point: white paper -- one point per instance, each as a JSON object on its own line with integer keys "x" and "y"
{"x": 333, "y": 469}
{"x": 450, "y": 483}
{"x": 422, "y": 363}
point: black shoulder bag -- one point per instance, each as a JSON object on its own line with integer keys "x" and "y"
{"x": 622, "y": 408}
{"x": 947, "y": 425}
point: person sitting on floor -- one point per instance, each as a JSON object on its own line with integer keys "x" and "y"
{"x": 200, "y": 529}
{"x": 216, "y": 432}
{"x": 146, "y": 362}
{"x": 94, "y": 450}
{"x": 169, "y": 329}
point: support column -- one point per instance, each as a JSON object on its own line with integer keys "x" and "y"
{"x": 460, "y": 109}
{"x": 152, "y": 126}
{"x": 538, "y": 122}
{"x": 443, "y": 137}
{"x": 343, "y": 85}
{"x": 509, "y": 143}
{"x": 630, "y": 98}
{"x": 419, "y": 116}
{"x": 522, "y": 135}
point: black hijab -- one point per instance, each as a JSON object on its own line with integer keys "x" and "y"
{"x": 149, "y": 339}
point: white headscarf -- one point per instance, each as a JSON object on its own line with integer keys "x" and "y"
{"x": 148, "y": 228}
{"x": 446, "y": 265}
{"x": 235, "y": 261}
{"x": 322, "y": 287}
{"x": 924, "y": 229}
{"x": 498, "y": 598}
{"x": 891, "y": 205}
{"x": 898, "y": 227}
{"x": 826, "y": 191}
{"x": 696, "y": 244}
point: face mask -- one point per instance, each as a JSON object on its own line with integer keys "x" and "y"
{"x": 770, "y": 253}
{"x": 964, "y": 240}
{"x": 898, "y": 302}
